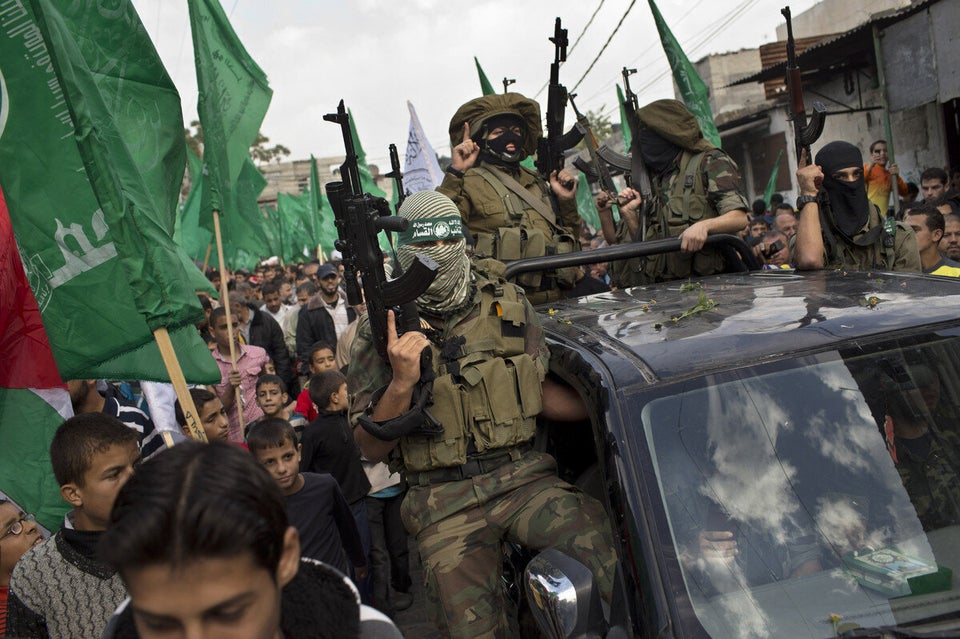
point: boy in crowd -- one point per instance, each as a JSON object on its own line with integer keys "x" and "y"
{"x": 213, "y": 416}
{"x": 274, "y": 402}
{"x": 19, "y": 533}
{"x": 315, "y": 504}
{"x": 251, "y": 361}
{"x": 329, "y": 447}
{"x": 322, "y": 357}
{"x": 242, "y": 577}
{"x": 60, "y": 588}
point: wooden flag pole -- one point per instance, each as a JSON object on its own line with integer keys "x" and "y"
{"x": 225, "y": 302}
{"x": 170, "y": 360}
{"x": 206, "y": 258}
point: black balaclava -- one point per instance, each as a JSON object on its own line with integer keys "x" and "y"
{"x": 849, "y": 205}
{"x": 496, "y": 150}
{"x": 657, "y": 152}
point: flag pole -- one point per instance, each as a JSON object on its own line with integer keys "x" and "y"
{"x": 225, "y": 302}
{"x": 170, "y": 360}
{"x": 206, "y": 258}
{"x": 893, "y": 198}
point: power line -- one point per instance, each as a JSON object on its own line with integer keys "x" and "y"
{"x": 605, "y": 44}
{"x": 587, "y": 26}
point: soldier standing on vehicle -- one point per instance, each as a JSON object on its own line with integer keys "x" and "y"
{"x": 696, "y": 190}
{"x": 478, "y": 482}
{"x": 839, "y": 227}
{"x": 510, "y": 211}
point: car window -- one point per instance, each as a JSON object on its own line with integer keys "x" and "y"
{"x": 817, "y": 492}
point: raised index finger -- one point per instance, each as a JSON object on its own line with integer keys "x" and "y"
{"x": 391, "y": 328}
{"x": 466, "y": 131}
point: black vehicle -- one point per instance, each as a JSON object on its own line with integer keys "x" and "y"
{"x": 813, "y": 419}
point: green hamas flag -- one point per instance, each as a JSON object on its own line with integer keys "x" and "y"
{"x": 624, "y": 122}
{"x": 772, "y": 182}
{"x": 233, "y": 98}
{"x": 291, "y": 214}
{"x": 485, "y": 87}
{"x": 692, "y": 89}
{"x": 86, "y": 94}
{"x": 193, "y": 238}
{"x": 586, "y": 205}
{"x": 244, "y": 242}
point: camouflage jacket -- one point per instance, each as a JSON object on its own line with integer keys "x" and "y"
{"x": 840, "y": 254}
{"x": 932, "y": 481}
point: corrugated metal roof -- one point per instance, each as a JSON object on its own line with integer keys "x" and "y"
{"x": 810, "y": 57}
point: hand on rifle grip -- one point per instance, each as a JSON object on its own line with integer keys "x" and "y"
{"x": 405, "y": 352}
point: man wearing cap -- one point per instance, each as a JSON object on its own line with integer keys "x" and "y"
{"x": 511, "y": 213}
{"x": 475, "y": 479}
{"x": 839, "y": 227}
{"x": 316, "y": 321}
{"x": 697, "y": 192}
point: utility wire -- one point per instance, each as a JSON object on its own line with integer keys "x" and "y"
{"x": 589, "y": 22}
{"x": 605, "y": 44}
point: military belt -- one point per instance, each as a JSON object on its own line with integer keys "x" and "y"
{"x": 476, "y": 465}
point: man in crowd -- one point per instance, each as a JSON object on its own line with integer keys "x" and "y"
{"x": 950, "y": 242}
{"x": 785, "y": 220}
{"x": 331, "y": 299}
{"x": 250, "y": 362}
{"x": 928, "y": 226}
{"x": 284, "y": 314}
{"x": 314, "y": 322}
{"x": 477, "y": 482}
{"x": 933, "y": 185}
{"x": 839, "y": 226}
{"x": 260, "y": 329}
{"x": 509, "y": 210}
{"x": 697, "y": 192}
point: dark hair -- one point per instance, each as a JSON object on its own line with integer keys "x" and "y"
{"x": 951, "y": 217}
{"x": 319, "y": 346}
{"x": 196, "y": 501}
{"x": 271, "y": 432}
{"x": 309, "y": 287}
{"x": 81, "y": 437}
{"x": 933, "y": 218}
{"x": 775, "y": 199}
{"x": 269, "y": 288}
{"x": 934, "y": 173}
{"x": 200, "y": 397}
{"x": 912, "y": 188}
{"x": 783, "y": 207}
{"x": 216, "y": 314}
{"x": 758, "y": 220}
{"x": 759, "y": 207}
{"x": 323, "y": 385}
{"x": 267, "y": 378}
{"x": 205, "y": 302}
{"x": 875, "y": 143}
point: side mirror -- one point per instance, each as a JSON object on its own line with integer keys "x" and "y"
{"x": 563, "y": 597}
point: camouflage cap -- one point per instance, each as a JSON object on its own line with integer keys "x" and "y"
{"x": 673, "y": 122}
{"x": 479, "y": 110}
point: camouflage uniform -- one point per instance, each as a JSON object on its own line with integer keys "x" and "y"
{"x": 903, "y": 256}
{"x": 703, "y": 182}
{"x": 498, "y": 489}
{"x": 503, "y": 225}
{"x": 932, "y": 480}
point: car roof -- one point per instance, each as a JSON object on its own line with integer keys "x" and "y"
{"x": 748, "y": 318}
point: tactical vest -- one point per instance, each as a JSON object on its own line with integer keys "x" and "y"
{"x": 686, "y": 205}
{"x": 487, "y": 391}
{"x": 881, "y": 237}
{"x": 517, "y": 238}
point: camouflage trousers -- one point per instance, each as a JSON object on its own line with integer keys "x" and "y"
{"x": 459, "y": 527}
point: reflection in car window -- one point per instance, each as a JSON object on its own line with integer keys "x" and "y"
{"x": 816, "y": 487}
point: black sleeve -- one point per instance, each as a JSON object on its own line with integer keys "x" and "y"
{"x": 347, "y": 526}
{"x": 308, "y": 448}
{"x": 24, "y": 622}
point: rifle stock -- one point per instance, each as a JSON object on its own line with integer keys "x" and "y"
{"x": 359, "y": 218}
{"x": 804, "y": 133}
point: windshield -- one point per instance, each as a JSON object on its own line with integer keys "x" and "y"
{"x": 809, "y": 497}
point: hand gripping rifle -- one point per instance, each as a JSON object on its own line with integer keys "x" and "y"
{"x": 804, "y": 133}
{"x": 551, "y": 147}
{"x": 597, "y": 167}
{"x": 359, "y": 218}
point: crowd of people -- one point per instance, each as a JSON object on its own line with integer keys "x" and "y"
{"x": 324, "y": 455}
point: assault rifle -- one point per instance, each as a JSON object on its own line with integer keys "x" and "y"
{"x": 359, "y": 218}
{"x": 551, "y": 147}
{"x": 597, "y": 166}
{"x": 804, "y": 133}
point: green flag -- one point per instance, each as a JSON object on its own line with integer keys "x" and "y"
{"x": 624, "y": 122}
{"x": 243, "y": 236}
{"x": 692, "y": 89}
{"x": 366, "y": 178}
{"x": 189, "y": 234}
{"x": 233, "y": 98}
{"x": 586, "y": 205}
{"x": 291, "y": 213}
{"x": 96, "y": 240}
{"x": 485, "y": 87}
{"x": 772, "y": 182}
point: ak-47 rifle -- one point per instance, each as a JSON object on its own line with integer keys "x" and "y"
{"x": 639, "y": 176}
{"x": 396, "y": 175}
{"x": 359, "y": 218}
{"x": 598, "y": 167}
{"x": 551, "y": 147}
{"x": 804, "y": 133}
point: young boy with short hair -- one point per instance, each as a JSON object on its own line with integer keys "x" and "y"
{"x": 322, "y": 358}
{"x": 197, "y": 563}
{"x": 315, "y": 505}
{"x": 275, "y": 402}
{"x": 60, "y": 588}
{"x": 212, "y": 415}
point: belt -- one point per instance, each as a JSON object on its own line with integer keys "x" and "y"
{"x": 479, "y": 465}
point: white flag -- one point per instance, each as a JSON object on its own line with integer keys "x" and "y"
{"x": 421, "y": 171}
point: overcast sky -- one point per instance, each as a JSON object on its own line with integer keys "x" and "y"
{"x": 376, "y": 55}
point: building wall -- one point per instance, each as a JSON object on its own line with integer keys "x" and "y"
{"x": 836, "y": 16}
{"x": 718, "y": 71}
